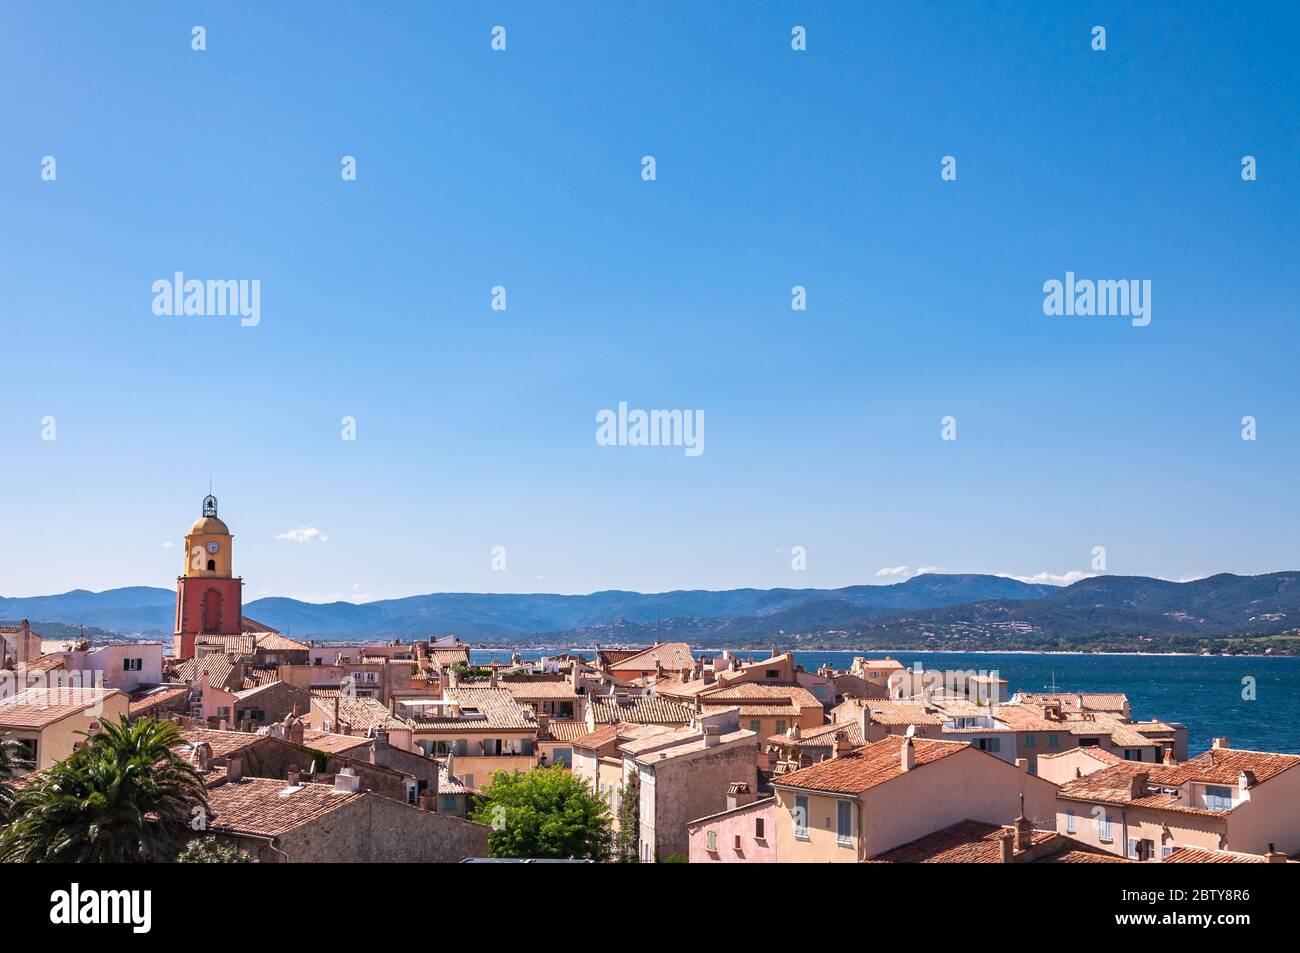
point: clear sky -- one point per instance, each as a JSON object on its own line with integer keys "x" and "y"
{"x": 775, "y": 168}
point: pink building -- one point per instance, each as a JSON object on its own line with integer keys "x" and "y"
{"x": 742, "y": 834}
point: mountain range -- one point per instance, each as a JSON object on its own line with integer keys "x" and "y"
{"x": 928, "y": 611}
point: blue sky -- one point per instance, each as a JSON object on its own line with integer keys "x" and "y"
{"x": 775, "y": 168}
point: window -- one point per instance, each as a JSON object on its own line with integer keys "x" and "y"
{"x": 1166, "y": 850}
{"x": 1218, "y": 799}
{"x": 212, "y": 565}
{"x": 1053, "y": 741}
{"x": 801, "y": 816}
{"x": 711, "y": 841}
{"x": 780, "y": 726}
{"x": 758, "y": 828}
{"x": 1069, "y": 822}
{"x": 1103, "y": 827}
{"x": 1139, "y": 849}
{"x": 843, "y": 822}
{"x": 449, "y": 803}
{"x": 773, "y": 673}
{"x": 469, "y": 781}
{"x": 1029, "y": 741}
{"x": 756, "y": 727}
{"x": 992, "y": 745}
{"x": 1132, "y": 754}
{"x": 132, "y": 664}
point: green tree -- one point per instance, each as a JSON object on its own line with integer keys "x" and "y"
{"x": 212, "y": 850}
{"x": 8, "y": 768}
{"x": 627, "y": 842}
{"x": 544, "y": 813}
{"x": 125, "y": 796}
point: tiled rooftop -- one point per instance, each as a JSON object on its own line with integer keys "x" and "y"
{"x": 868, "y": 766}
{"x": 640, "y": 709}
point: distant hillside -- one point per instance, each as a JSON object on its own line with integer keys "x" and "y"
{"x": 931, "y": 611}
{"x": 486, "y": 616}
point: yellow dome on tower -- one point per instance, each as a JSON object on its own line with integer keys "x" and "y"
{"x": 209, "y": 526}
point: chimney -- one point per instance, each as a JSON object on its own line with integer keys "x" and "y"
{"x": 336, "y": 712}
{"x": 1246, "y": 780}
{"x": 1006, "y": 848}
{"x": 793, "y": 732}
{"x": 712, "y": 736}
{"x": 842, "y": 744}
{"x": 203, "y": 757}
{"x": 347, "y": 782}
{"x": 1024, "y": 836}
{"x": 426, "y": 802}
{"x": 492, "y": 678}
{"x": 1221, "y": 743}
{"x": 738, "y": 795}
{"x": 907, "y": 755}
{"x": 1275, "y": 856}
{"x": 1137, "y": 785}
{"x": 1169, "y": 756}
{"x": 1022, "y": 764}
{"x": 294, "y": 776}
{"x": 234, "y": 769}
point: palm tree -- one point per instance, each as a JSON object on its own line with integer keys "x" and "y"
{"x": 8, "y": 749}
{"x": 125, "y": 796}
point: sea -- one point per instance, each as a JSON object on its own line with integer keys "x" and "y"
{"x": 1253, "y": 701}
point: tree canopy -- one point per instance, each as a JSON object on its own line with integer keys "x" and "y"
{"x": 547, "y": 813}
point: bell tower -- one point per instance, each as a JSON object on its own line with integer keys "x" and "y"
{"x": 208, "y": 594}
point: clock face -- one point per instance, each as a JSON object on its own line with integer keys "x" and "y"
{"x": 213, "y": 546}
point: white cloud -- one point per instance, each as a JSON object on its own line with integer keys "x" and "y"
{"x": 169, "y": 545}
{"x": 304, "y": 534}
{"x": 891, "y": 571}
{"x": 1050, "y": 578}
{"x": 922, "y": 570}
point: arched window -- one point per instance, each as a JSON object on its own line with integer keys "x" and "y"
{"x": 212, "y": 565}
{"x": 212, "y": 611}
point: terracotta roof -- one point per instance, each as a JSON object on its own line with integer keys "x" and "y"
{"x": 275, "y": 642}
{"x": 672, "y": 655}
{"x": 760, "y": 692}
{"x": 481, "y": 708}
{"x": 450, "y": 657}
{"x": 545, "y": 690}
{"x": 966, "y": 842}
{"x": 1224, "y": 766}
{"x": 1113, "y": 785}
{"x": 39, "y": 707}
{"x": 564, "y": 729}
{"x": 822, "y": 737}
{"x": 219, "y": 669}
{"x": 331, "y": 742}
{"x": 640, "y": 709}
{"x": 257, "y": 677}
{"x": 898, "y": 714}
{"x": 359, "y": 713}
{"x": 265, "y": 807}
{"x": 1100, "y": 754}
{"x": 231, "y": 644}
{"x": 1194, "y": 855}
{"x": 146, "y": 699}
{"x": 760, "y": 804}
{"x": 43, "y": 664}
{"x": 608, "y": 734}
{"x": 677, "y": 743}
{"x": 758, "y": 711}
{"x": 868, "y": 766}
{"x": 223, "y": 743}
{"x": 1092, "y": 701}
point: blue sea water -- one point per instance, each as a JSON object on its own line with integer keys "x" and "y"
{"x": 1206, "y": 693}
